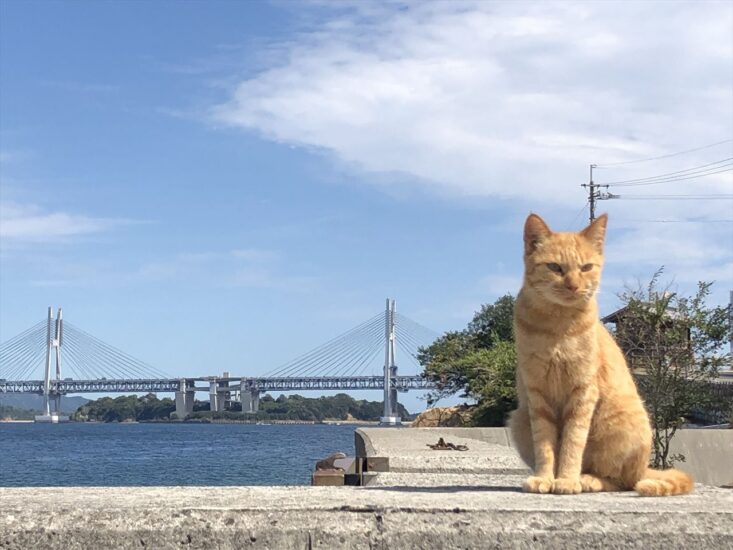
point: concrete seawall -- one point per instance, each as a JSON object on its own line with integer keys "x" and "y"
{"x": 708, "y": 453}
{"x": 428, "y": 499}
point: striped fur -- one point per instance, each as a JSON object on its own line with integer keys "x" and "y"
{"x": 660, "y": 483}
{"x": 580, "y": 425}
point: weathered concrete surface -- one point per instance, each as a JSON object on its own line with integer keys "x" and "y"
{"x": 407, "y": 448}
{"x": 708, "y": 453}
{"x": 446, "y": 516}
{"x": 429, "y": 499}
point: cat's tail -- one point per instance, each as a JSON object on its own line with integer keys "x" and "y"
{"x": 662, "y": 483}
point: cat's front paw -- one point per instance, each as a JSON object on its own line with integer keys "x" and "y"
{"x": 566, "y": 486}
{"x": 536, "y": 484}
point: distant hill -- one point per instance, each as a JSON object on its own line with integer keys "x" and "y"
{"x": 295, "y": 407}
{"x": 35, "y": 402}
{"x": 14, "y": 413}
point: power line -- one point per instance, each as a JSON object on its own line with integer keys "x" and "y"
{"x": 664, "y": 156}
{"x": 680, "y": 176}
{"x": 673, "y": 221}
{"x": 674, "y": 197}
{"x": 579, "y": 213}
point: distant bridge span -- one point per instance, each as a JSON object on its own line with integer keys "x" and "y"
{"x": 342, "y": 363}
{"x": 402, "y": 383}
{"x": 221, "y": 390}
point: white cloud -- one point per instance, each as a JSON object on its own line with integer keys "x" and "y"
{"x": 513, "y": 100}
{"x": 29, "y": 223}
{"x": 498, "y": 99}
{"x": 245, "y": 267}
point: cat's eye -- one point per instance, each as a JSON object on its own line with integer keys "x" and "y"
{"x": 587, "y": 267}
{"x": 554, "y": 267}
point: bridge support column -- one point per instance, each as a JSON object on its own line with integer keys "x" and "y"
{"x": 225, "y": 396}
{"x": 250, "y": 398}
{"x": 184, "y": 401}
{"x": 390, "y": 417}
{"x": 216, "y": 399}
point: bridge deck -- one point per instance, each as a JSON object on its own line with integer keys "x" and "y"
{"x": 402, "y": 383}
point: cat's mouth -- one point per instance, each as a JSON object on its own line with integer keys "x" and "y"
{"x": 571, "y": 296}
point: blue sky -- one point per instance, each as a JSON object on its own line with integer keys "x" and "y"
{"x": 224, "y": 185}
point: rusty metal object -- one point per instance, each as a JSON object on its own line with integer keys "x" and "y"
{"x": 441, "y": 445}
{"x": 328, "y": 463}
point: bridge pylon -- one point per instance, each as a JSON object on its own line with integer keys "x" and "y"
{"x": 54, "y": 340}
{"x": 391, "y": 416}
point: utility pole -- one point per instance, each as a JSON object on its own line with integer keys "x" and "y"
{"x": 594, "y": 193}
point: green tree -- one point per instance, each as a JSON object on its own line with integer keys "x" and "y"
{"x": 675, "y": 346}
{"x": 478, "y": 363}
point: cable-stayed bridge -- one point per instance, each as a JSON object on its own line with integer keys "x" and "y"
{"x": 363, "y": 358}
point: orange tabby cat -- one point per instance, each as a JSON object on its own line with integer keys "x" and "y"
{"x": 580, "y": 425}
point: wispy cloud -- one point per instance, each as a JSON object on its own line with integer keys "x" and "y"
{"x": 498, "y": 99}
{"x": 81, "y": 87}
{"x": 23, "y": 223}
{"x": 512, "y": 101}
{"x": 245, "y": 267}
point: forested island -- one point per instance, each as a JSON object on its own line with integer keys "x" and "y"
{"x": 149, "y": 408}
{"x": 8, "y": 412}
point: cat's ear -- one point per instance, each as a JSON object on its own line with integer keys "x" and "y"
{"x": 535, "y": 231}
{"x": 596, "y": 232}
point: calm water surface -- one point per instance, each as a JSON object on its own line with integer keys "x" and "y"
{"x": 165, "y": 454}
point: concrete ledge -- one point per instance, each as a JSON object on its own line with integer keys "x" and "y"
{"x": 449, "y": 516}
{"x": 428, "y": 499}
{"x": 707, "y": 452}
{"x": 407, "y": 448}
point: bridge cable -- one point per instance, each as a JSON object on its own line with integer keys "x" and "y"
{"x": 89, "y": 358}
{"x": 413, "y": 359}
{"x": 8, "y": 343}
{"x": 354, "y": 352}
{"x": 374, "y": 337}
{"x": 359, "y": 369}
{"x": 16, "y": 346}
{"x": 9, "y": 347}
{"x": 98, "y": 362}
{"x": 432, "y": 335}
{"x": 81, "y": 360}
{"x": 345, "y": 350}
{"x": 410, "y": 348}
{"x": 327, "y": 355}
{"x": 359, "y": 360}
{"x": 27, "y": 358}
{"x": 118, "y": 357}
{"x": 326, "y": 350}
{"x": 415, "y": 341}
{"x": 31, "y": 364}
{"x": 320, "y": 351}
{"x": 116, "y": 360}
{"x": 418, "y": 334}
{"x": 12, "y": 360}
{"x": 317, "y": 353}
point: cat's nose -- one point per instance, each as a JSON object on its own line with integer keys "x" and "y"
{"x": 572, "y": 287}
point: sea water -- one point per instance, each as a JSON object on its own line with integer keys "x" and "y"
{"x": 98, "y": 454}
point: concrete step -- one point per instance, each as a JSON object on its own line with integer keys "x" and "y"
{"x": 415, "y": 517}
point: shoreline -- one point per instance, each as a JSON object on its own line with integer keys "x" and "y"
{"x": 222, "y": 421}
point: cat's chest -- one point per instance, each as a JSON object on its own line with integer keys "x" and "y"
{"x": 565, "y": 363}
